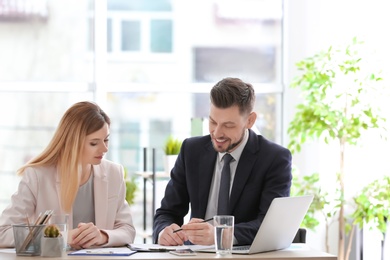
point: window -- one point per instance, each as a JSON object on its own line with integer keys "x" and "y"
{"x": 154, "y": 76}
{"x": 143, "y": 27}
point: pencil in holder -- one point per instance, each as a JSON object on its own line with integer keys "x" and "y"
{"x": 28, "y": 239}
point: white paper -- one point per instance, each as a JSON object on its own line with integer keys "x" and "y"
{"x": 8, "y": 250}
{"x": 156, "y": 247}
{"x": 103, "y": 251}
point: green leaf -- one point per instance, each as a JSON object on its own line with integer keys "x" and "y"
{"x": 172, "y": 146}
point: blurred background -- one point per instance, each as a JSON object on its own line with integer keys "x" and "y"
{"x": 150, "y": 65}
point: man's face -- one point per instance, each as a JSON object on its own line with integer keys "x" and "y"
{"x": 227, "y": 127}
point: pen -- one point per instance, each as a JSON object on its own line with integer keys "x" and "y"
{"x": 89, "y": 252}
{"x": 159, "y": 249}
{"x": 206, "y": 220}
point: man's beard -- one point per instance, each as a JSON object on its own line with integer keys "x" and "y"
{"x": 233, "y": 145}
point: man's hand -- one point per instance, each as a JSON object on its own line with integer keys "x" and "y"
{"x": 168, "y": 238}
{"x": 87, "y": 235}
{"x": 199, "y": 232}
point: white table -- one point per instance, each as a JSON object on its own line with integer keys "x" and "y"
{"x": 296, "y": 252}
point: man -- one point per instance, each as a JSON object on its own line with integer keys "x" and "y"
{"x": 259, "y": 172}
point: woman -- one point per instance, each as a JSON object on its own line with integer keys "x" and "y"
{"x": 71, "y": 177}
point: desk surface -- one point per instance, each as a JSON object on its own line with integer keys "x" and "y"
{"x": 298, "y": 252}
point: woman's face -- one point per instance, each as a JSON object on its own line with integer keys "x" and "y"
{"x": 95, "y": 146}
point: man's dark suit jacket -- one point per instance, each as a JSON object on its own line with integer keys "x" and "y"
{"x": 263, "y": 173}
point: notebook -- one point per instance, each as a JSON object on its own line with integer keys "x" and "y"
{"x": 279, "y": 227}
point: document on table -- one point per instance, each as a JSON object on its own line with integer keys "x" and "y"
{"x": 160, "y": 248}
{"x": 153, "y": 247}
{"x": 8, "y": 250}
{"x": 107, "y": 251}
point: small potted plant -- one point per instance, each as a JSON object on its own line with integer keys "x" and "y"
{"x": 52, "y": 243}
{"x": 131, "y": 188}
{"x": 171, "y": 149}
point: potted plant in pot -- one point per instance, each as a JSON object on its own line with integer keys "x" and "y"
{"x": 340, "y": 102}
{"x": 171, "y": 149}
{"x": 131, "y": 188}
{"x": 373, "y": 207}
{"x": 309, "y": 184}
{"x": 52, "y": 243}
{"x": 322, "y": 203}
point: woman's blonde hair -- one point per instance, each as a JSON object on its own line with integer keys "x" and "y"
{"x": 65, "y": 148}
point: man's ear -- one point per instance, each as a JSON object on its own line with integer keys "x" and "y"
{"x": 251, "y": 120}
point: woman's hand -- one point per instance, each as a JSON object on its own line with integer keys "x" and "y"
{"x": 87, "y": 235}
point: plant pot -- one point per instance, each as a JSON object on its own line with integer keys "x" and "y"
{"x": 52, "y": 246}
{"x": 169, "y": 162}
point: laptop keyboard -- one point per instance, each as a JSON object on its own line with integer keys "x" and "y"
{"x": 241, "y": 248}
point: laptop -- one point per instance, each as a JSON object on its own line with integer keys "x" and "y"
{"x": 279, "y": 227}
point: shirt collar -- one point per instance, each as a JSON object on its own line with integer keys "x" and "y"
{"x": 236, "y": 154}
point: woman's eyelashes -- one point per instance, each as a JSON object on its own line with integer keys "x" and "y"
{"x": 96, "y": 143}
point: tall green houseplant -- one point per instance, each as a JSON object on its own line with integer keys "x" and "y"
{"x": 373, "y": 204}
{"x": 373, "y": 207}
{"x": 338, "y": 105}
{"x": 309, "y": 184}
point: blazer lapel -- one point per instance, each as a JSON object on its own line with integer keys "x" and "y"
{"x": 244, "y": 168}
{"x": 206, "y": 175}
{"x": 100, "y": 190}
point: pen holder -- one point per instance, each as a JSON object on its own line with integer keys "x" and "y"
{"x": 28, "y": 239}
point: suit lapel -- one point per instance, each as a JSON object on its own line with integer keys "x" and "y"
{"x": 207, "y": 164}
{"x": 244, "y": 168}
{"x": 100, "y": 191}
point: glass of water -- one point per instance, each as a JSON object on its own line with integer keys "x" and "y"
{"x": 223, "y": 234}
